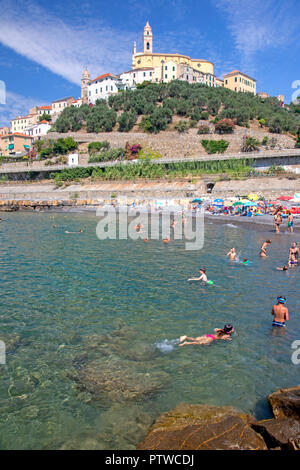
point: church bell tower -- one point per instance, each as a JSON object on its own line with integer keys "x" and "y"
{"x": 148, "y": 39}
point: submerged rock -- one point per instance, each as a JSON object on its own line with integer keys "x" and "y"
{"x": 203, "y": 427}
{"x": 118, "y": 381}
{"x": 285, "y": 402}
{"x": 124, "y": 425}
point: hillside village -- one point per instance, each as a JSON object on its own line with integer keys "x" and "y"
{"x": 148, "y": 67}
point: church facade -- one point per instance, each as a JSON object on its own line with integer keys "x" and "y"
{"x": 150, "y": 59}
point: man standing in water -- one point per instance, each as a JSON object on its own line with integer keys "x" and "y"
{"x": 281, "y": 313}
{"x": 263, "y": 250}
{"x": 291, "y": 223}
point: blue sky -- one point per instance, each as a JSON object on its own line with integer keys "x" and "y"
{"x": 44, "y": 45}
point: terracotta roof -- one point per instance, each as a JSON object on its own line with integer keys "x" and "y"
{"x": 17, "y": 134}
{"x": 237, "y": 72}
{"x": 64, "y": 99}
{"x": 45, "y": 107}
{"x": 43, "y": 122}
{"x": 103, "y": 76}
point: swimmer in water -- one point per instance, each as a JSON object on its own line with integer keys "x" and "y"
{"x": 290, "y": 222}
{"x": 80, "y": 231}
{"x": 284, "y": 268}
{"x": 54, "y": 225}
{"x": 166, "y": 240}
{"x": 263, "y": 250}
{"x": 202, "y": 277}
{"x": 245, "y": 262}
{"x": 224, "y": 333}
{"x": 232, "y": 254}
{"x": 280, "y": 313}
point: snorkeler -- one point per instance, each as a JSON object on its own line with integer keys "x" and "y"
{"x": 245, "y": 262}
{"x": 263, "y": 250}
{"x": 224, "y": 333}
{"x": 281, "y": 313}
{"x": 232, "y": 254}
{"x": 203, "y": 276}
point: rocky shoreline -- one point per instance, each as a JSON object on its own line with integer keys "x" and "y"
{"x": 206, "y": 427}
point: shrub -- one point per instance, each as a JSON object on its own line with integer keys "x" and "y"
{"x": 126, "y": 121}
{"x": 182, "y": 126}
{"x": 276, "y": 125}
{"x": 204, "y": 116}
{"x": 265, "y": 140}
{"x": 149, "y": 154}
{"x": 249, "y": 144}
{"x": 95, "y": 147}
{"x": 215, "y": 146}
{"x": 105, "y": 156}
{"x": 262, "y": 122}
{"x": 203, "y": 129}
{"x": 298, "y": 138}
{"x": 225, "y": 126}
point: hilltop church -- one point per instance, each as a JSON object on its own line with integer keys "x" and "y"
{"x": 157, "y": 67}
{"x": 148, "y": 58}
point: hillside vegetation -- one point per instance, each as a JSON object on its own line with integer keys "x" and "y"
{"x": 158, "y": 104}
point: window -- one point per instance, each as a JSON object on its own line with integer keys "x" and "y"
{"x": 148, "y": 46}
{"x": 111, "y": 88}
{"x": 166, "y": 67}
{"x": 166, "y": 75}
{"x": 106, "y": 88}
{"x": 96, "y": 91}
{"x": 187, "y": 77}
{"x": 150, "y": 74}
{"x": 235, "y": 79}
{"x": 173, "y": 69}
{"x": 144, "y": 74}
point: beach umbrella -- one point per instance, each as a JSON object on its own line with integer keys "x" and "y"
{"x": 284, "y": 198}
{"x": 219, "y": 201}
{"x": 252, "y": 197}
{"x": 238, "y": 203}
{"x": 198, "y": 199}
{"x": 250, "y": 204}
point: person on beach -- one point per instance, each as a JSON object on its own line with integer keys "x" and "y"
{"x": 290, "y": 223}
{"x": 202, "y": 277}
{"x": 220, "y": 333}
{"x": 284, "y": 268}
{"x": 280, "y": 313}
{"x": 263, "y": 250}
{"x": 278, "y": 221}
{"x": 166, "y": 240}
{"x": 232, "y": 254}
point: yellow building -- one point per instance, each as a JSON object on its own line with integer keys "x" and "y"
{"x": 148, "y": 58}
{"x": 238, "y": 81}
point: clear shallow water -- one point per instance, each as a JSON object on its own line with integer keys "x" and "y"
{"x": 61, "y": 294}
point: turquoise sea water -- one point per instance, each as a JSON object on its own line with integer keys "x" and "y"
{"x": 70, "y": 302}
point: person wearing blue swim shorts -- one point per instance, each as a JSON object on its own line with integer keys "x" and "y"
{"x": 280, "y": 313}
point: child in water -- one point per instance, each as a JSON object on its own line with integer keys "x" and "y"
{"x": 202, "y": 277}
{"x": 245, "y": 262}
{"x": 224, "y": 333}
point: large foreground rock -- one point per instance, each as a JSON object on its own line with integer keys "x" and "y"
{"x": 203, "y": 427}
{"x": 285, "y": 402}
{"x": 281, "y": 432}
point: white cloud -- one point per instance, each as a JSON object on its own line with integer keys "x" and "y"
{"x": 16, "y": 105}
{"x": 61, "y": 47}
{"x": 259, "y": 25}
